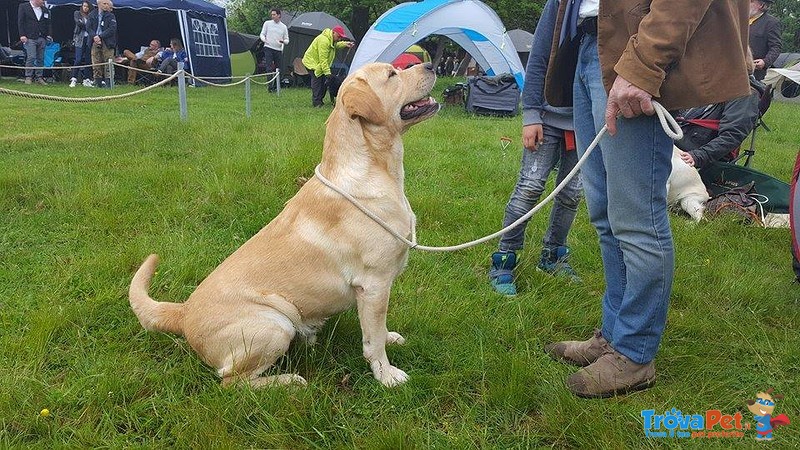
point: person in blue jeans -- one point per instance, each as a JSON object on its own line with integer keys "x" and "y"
{"x": 615, "y": 57}
{"x": 545, "y": 145}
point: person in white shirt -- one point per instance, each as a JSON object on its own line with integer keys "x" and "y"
{"x": 275, "y": 35}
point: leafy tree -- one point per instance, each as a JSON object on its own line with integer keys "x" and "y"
{"x": 247, "y": 16}
{"x": 789, "y": 13}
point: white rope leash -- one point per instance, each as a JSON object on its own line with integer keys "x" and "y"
{"x": 668, "y": 123}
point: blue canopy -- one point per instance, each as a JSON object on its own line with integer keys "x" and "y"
{"x": 200, "y": 25}
{"x": 173, "y": 5}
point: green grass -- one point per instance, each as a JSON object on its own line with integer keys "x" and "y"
{"x": 88, "y": 190}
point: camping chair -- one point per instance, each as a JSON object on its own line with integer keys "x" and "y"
{"x": 300, "y": 75}
{"x": 52, "y": 58}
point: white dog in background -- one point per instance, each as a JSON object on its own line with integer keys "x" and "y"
{"x": 686, "y": 188}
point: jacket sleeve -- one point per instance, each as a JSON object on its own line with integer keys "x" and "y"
{"x": 660, "y": 41}
{"x": 21, "y": 20}
{"x": 110, "y": 27}
{"x": 535, "y": 70}
{"x": 738, "y": 119}
{"x": 774, "y": 43}
{"x": 285, "y": 35}
{"x": 263, "y": 34}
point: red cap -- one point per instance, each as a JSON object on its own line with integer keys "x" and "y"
{"x": 338, "y": 29}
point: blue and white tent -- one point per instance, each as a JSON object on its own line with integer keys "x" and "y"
{"x": 200, "y": 24}
{"x": 470, "y": 23}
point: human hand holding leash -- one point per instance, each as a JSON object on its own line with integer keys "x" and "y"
{"x": 532, "y": 136}
{"x": 627, "y": 99}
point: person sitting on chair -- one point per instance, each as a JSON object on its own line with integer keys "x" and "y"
{"x": 145, "y": 59}
{"x": 169, "y": 58}
{"x": 715, "y": 132}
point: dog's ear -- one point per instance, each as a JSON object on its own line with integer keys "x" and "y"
{"x": 360, "y": 100}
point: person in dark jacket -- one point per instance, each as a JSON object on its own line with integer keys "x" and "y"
{"x": 765, "y": 36}
{"x": 702, "y": 145}
{"x": 33, "y": 21}
{"x": 82, "y": 42}
{"x": 102, "y": 26}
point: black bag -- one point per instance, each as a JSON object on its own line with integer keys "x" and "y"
{"x": 493, "y": 96}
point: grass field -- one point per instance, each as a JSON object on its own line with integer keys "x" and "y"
{"x": 87, "y": 191}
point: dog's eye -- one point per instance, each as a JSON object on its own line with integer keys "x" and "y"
{"x": 392, "y": 73}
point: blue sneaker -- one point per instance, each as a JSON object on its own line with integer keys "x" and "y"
{"x": 501, "y": 274}
{"x": 555, "y": 261}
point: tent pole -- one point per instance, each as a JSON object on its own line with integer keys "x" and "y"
{"x": 182, "y": 92}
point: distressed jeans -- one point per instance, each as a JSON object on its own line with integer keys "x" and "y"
{"x": 534, "y": 171}
{"x": 625, "y": 181}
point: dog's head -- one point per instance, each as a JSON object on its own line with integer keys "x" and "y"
{"x": 381, "y": 95}
{"x": 764, "y": 404}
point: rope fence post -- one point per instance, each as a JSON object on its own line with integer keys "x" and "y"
{"x": 182, "y": 92}
{"x": 278, "y": 81}
{"x": 110, "y": 73}
{"x": 247, "y": 96}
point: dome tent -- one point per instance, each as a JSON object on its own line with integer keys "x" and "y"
{"x": 469, "y": 23}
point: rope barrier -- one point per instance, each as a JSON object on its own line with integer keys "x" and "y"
{"x": 87, "y": 99}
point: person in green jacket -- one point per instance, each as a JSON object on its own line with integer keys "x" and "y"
{"x": 319, "y": 57}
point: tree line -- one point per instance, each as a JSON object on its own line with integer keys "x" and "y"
{"x": 247, "y": 16}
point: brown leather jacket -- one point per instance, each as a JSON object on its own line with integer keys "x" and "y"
{"x": 684, "y": 52}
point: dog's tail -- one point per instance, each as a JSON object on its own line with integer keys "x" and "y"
{"x": 154, "y": 316}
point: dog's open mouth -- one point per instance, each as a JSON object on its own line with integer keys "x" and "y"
{"x": 419, "y": 108}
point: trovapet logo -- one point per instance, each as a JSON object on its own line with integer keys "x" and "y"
{"x": 715, "y": 424}
{"x": 675, "y": 424}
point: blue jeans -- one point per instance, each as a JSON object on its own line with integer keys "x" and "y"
{"x": 34, "y": 56}
{"x": 533, "y": 174}
{"x": 625, "y": 181}
{"x": 82, "y": 57}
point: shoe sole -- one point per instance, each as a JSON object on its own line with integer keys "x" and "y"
{"x": 638, "y": 387}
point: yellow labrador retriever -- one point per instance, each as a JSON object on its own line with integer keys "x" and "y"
{"x": 320, "y": 255}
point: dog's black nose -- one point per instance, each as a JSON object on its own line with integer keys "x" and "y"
{"x": 428, "y": 66}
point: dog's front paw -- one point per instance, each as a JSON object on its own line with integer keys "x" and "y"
{"x": 389, "y": 375}
{"x": 395, "y": 338}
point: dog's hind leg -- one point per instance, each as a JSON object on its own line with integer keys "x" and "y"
{"x": 373, "y": 301}
{"x": 262, "y": 339}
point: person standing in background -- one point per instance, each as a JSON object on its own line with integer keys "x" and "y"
{"x": 765, "y": 37}
{"x": 33, "y": 21}
{"x": 102, "y": 26}
{"x": 82, "y": 43}
{"x": 274, "y": 35}
{"x": 319, "y": 58}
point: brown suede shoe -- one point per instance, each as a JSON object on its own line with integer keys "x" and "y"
{"x": 612, "y": 374}
{"x": 579, "y": 353}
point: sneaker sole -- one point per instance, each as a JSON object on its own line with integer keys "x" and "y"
{"x": 637, "y": 387}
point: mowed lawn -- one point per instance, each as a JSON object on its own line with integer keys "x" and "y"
{"x": 88, "y": 190}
